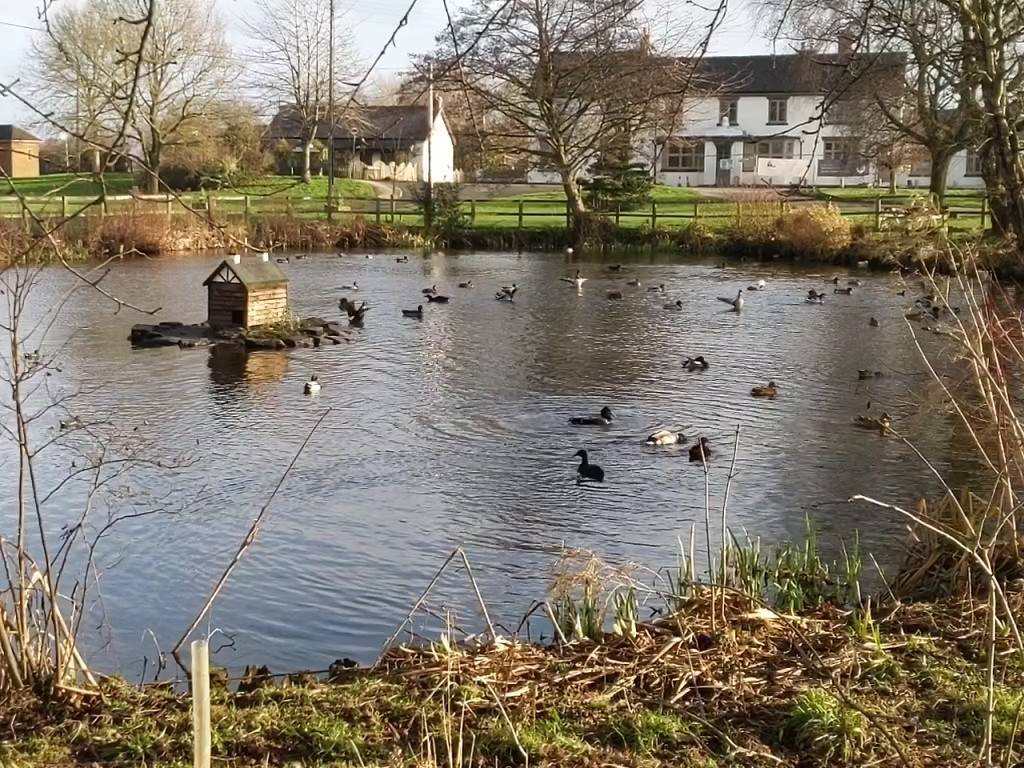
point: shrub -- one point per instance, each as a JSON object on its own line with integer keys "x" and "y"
{"x": 813, "y": 231}
{"x": 625, "y": 186}
{"x": 448, "y": 218}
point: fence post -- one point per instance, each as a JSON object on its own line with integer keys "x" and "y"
{"x": 247, "y": 209}
{"x": 520, "y": 214}
{"x": 201, "y": 704}
{"x": 472, "y": 211}
{"x": 739, "y": 212}
{"x": 654, "y": 215}
{"x": 878, "y": 213}
{"x": 568, "y": 215}
{"x": 984, "y": 211}
{"x": 376, "y": 209}
{"x": 696, "y": 211}
{"x": 63, "y": 206}
{"x": 24, "y": 215}
{"x": 209, "y": 207}
{"x": 168, "y": 208}
{"x": 392, "y": 209}
{"x": 618, "y": 212}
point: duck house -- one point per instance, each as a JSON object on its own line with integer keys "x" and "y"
{"x": 246, "y": 292}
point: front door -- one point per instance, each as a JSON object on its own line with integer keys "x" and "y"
{"x": 723, "y": 164}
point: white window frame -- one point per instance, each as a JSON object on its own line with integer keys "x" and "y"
{"x": 779, "y": 105}
{"x": 729, "y": 108}
{"x": 676, "y": 151}
{"x": 972, "y": 163}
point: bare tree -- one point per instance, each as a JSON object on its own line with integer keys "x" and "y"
{"x": 293, "y": 43}
{"x": 568, "y": 78}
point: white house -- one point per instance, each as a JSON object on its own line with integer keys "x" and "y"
{"x": 382, "y": 143}
{"x": 763, "y": 126}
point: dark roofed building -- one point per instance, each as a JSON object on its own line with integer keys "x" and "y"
{"x": 246, "y": 292}
{"x": 19, "y": 152}
{"x": 806, "y": 72}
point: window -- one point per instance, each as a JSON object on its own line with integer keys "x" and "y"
{"x": 681, "y": 156}
{"x": 777, "y": 148}
{"x": 973, "y": 163}
{"x": 777, "y": 111}
{"x": 837, "y": 149}
{"x": 237, "y": 317}
{"x": 728, "y": 108}
{"x": 839, "y": 113}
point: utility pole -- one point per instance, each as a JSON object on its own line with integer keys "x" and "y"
{"x": 331, "y": 117}
{"x": 428, "y": 210}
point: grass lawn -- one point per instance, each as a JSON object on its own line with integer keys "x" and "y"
{"x": 292, "y": 186}
{"x": 961, "y": 198}
{"x": 69, "y": 184}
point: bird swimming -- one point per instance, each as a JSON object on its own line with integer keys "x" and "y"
{"x": 864, "y": 373}
{"x": 312, "y": 386}
{"x": 285, "y": 260}
{"x": 701, "y": 446}
{"x": 353, "y": 287}
{"x": 665, "y": 437}
{"x": 614, "y": 267}
{"x": 873, "y": 322}
{"x": 603, "y": 419}
{"x": 437, "y": 298}
{"x": 614, "y": 294}
{"x": 758, "y": 286}
{"x": 656, "y": 288}
{"x": 578, "y": 281}
{"x": 634, "y": 283}
{"x": 71, "y": 422}
{"x": 881, "y": 424}
{"x": 586, "y": 470}
{"x": 814, "y": 297}
{"x": 697, "y": 363}
{"x": 737, "y": 303}
{"x": 467, "y": 284}
{"x": 769, "y": 390}
{"x": 677, "y": 305}
{"x": 418, "y": 312}
{"x": 507, "y": 292}
{"x": 402, "y": 260}
{"x": 428, "y": 291}
{"x": 847, "y": 291}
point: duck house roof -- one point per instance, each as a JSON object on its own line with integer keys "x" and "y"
{"x": 255, "y": 272}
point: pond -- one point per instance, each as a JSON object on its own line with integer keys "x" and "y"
{"x": 454, "y": 430}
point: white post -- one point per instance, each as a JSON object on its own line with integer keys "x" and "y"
{"x": 430, "y": 140}
{"x": 201, "y": 703}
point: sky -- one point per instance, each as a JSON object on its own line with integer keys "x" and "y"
{"x": 370, "y": 22}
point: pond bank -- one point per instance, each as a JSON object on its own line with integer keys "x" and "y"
{"x": 747, "y": 687}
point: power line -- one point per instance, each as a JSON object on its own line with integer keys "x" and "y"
{"x": 20, "y": 26}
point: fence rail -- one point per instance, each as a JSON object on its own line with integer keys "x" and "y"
{"x": 517, "y": 212}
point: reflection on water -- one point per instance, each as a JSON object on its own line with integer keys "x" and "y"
{"x": 453, "y": 430}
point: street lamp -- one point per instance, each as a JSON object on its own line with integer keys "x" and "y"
{"x": 352, "y": 162}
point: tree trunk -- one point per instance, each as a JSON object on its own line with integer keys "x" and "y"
{"x": 153, "y": 161}
{"x": 574, "y": 204}
{"x": 307, "y": 151}
{"x": 939, "y": 175}
{"x": 97, "y": 161}
{"x": 892, "y": 178}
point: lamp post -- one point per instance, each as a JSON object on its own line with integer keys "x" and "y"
{"x": 352, "y": 162}
{"x": 331, "y": 116}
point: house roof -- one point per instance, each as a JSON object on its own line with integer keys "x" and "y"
{"x": 405, "y": 123}
{"x": 14, "y": 133}
{"x": 804, "y": 72}
{"x": 251, "y": 272}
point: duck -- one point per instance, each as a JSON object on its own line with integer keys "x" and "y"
{"x": 614, "y": 267}
{"x": 913, "y": 314}
{"x": 71, "y": 422}
{"x": 402, "y": 260}
{"x": 855, "y": 282}
{"x": 737, "y": 303}
{"x": 835, "y": 280}
{"x": 603, "y": 419}
{"x": 578, "y": 281}
{"x": 614, "y": 294}
{"x": 665, "y": 437}
{"x": 873, "y": 322}
{"x": 701, "y": 446}
{"x": 429, "y": 291}
{"x": 586, "y": 470}
{"x": 902, "y": 293}
{"x": 369, "y": 255}
{"x": 847, "y": 291}
{"x": 355, "y": 314}
{"x": 634, "y": 283}
{"x": 467, "y": 284}
{"x": 507, "y": 292}
{"x": 676, "y": 306}
{"x": 353, "y": 287}
{"x": 881, "y": 424}
{"x": 300, "y": 256}
{"x": 813, "y": 297}
{"x": 660, "y": 288}
{"x": 418, "y": 312}
{"x": 697, "y": 363}
{"x": 769, "y": 390}
{"x": 437, "y": 298}
{"x": 32, "y": 357}
{"x": 312, "y": 386}
{"x": 864, "y": 373}
{"x": 284, "y": 260}
{"x": 758, "y": 286}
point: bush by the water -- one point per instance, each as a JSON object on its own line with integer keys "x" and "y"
{"x": 813, "y": 231}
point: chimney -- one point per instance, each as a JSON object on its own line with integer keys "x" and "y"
{"x": 236, "y": 258}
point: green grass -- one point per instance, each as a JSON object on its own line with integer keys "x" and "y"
{"x": 292, "y": 186}
{"x": 961, "y": 198}
{"x": 821, "y": 722}
{"x": 68, "y": 184}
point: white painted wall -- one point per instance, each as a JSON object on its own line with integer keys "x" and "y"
{"x": 441, "y": 154}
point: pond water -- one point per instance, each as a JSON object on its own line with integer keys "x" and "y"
{"x": 454, "y": 431}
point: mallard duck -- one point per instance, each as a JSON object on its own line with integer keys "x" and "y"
{"x": 769, "y": 390}
{"x": 603, "y": 419}
{"x": 284, "y": 260}
{"x": 656, "y": 288}
{"x": 402, "y": 260}
{"x": 353, "y": 287}
{"x": 697, "y": 363}
{"x": 614, "y": 294}
{"x": 614, "y": 267}
{"x": 847, "y": 291}
{"x": 913, "y": 314}
{"x": 634, "y": 283}
{"x": 300, "y": 256}
{"x": 676, "y": 306}
{"x": 854, "y": 282}
{"x": 369, "y": 255}
{"x": 737, "y": 303}
{"x": 71, "y": 422}
{"x": 312, "y": 386}
{"x": 835, "y": 280}
{"x": 902, "y": 293}
{"x": 467, "y": 284}
{"x": 881, "y": 424}
{"x": 507, "y": 292}
{"x": 813, "y": 297}
{"x": 437, "y": 298}
{"x": 429, "y": 291}
{"x": 866, "y": 374}
{"x": 758, "y": 286}
{"x": 665, "y": 437}
{"x": 873, "y": 322}
{"x": 418, "y": 312}
{"x": 701, "y": 446}
{"x": 586, "y": 470}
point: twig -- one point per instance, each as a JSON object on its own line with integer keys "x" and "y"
{"x": 479, "y": 597}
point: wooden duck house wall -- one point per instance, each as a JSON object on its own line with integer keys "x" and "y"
{"x": 246, "y": 294}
